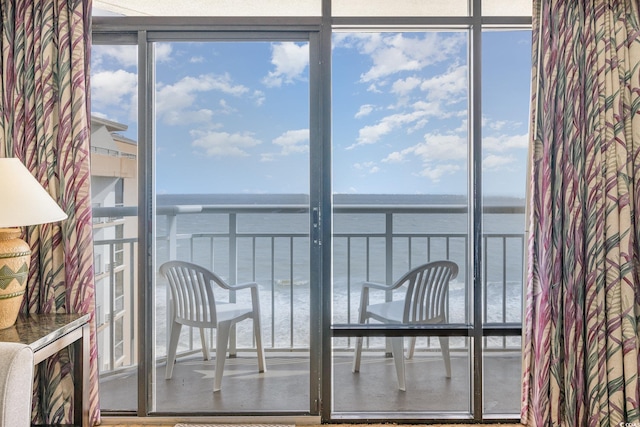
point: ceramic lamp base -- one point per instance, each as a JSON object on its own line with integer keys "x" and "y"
{"x": 15, "y": 256}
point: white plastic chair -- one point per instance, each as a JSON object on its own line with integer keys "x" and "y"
{"x": 194, "y": 304}
{"x": 427, "y": 288}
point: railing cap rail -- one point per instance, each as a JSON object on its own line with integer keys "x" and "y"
{"x": 303, "y": 208}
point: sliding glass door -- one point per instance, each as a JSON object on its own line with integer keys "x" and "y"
{"x": 232, "y": 196}
{"x": 400, "y": 201}
{"x": 114, "y": 191}
{"x": 321, "y": 159}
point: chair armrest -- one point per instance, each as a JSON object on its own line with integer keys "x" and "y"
{"x": 364, "y": 295}
{"x": 255, "y": 295}
{"x": 247, "y": 285}
{"x": 375, "y": 285}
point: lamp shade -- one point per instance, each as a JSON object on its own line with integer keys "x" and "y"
{"x": 23, "y": 200}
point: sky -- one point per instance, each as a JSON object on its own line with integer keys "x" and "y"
{"x": 233, "y": 117}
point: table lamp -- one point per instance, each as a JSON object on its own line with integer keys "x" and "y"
{"x": 23, "y": 201}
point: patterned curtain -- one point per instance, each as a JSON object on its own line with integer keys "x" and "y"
{"x": 45, "y": 122}
{"x": 581, "y": 336}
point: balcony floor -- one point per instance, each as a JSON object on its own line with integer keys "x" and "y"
{"x": 284, "y": 387}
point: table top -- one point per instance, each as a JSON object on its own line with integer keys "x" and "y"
{"x": 38, "y": 330}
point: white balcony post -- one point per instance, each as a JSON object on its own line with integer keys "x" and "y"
{"x": 172, "y": 234}
{"x": 233, "y": 276}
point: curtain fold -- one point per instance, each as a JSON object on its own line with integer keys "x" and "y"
{"x": 45, "y": 121}
{"x": 582, "y": 306}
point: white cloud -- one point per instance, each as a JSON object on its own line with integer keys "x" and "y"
{"x": 393, "y": 53}
{"x": 442, "y": 147}
{"x": 432, "y": 109}
{"x": 404, "y": 86}
{"x": 196, "y": 59}
{"x": 369, "y": 167}
{"x": 258, "y": 97}
{"x": 435, "y": 173}
{"x": 439, "y": 154}
{"x": 293, "y": 141}
{"x": 225, "y": 108}
{"x": 113, "y": 88}
{"x": 495, "y": 162}
{"x": 498, "y": 124}
{"x": 372, "y": 133}
{"x": 126, "y": 55}
{"x": 364, "y": 110}
{"x": 503, "y": 143}
{"x": 373, "y": 88}
{"x": 447, "y": 87}
{"x": 223, "y": 144}
{"x": 123, "y": 55}
{"x": 290, "y": 61}
{"x": 181, "y": 117}
{"x": 173, "y": 102}
{"x": 395, "y": 157}
{"x": 162, "y": 52}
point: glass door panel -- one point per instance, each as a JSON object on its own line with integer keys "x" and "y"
{"x": 114, "y": 191}
{"x": 506, "y": 76}
{"x": 232, "y": 196}
{"x": 400, "y": 163}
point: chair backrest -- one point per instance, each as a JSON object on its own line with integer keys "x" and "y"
{"x": 192, "y": 294}
{"x": 427, "y": 291}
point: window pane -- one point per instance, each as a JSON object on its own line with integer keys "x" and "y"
{"x": 429, "y": 393}
{"x": 400, "y": 154}
{"x": 506, "y": 77}
{"x": 506, "y": 92}
{"x": 502, "y": 364}
{"x": 399, "y": 160}
{"x": 232, "y": 196}
{"x": 114, "y": 184}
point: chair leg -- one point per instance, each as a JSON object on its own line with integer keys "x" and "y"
{"x": 362, "y": 318}
{"x": 357, "y": 354}
{"x": 397, "y": 347}
{"x": 444, "y": 346}
{"x": 171, "y": 350}
{"x": 205, "y": 347}
{"x": 222, "y": 342}
{"x": 257, "y": 330}
{"x": 411, "y": 348}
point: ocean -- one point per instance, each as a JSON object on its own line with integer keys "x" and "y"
{"x": 273, "y": 250}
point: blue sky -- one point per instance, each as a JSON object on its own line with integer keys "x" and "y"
{"x": 233, "y": 117}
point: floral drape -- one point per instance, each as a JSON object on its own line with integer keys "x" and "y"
{"x": 44, "y": 121}
{"x": 581, "y": 352}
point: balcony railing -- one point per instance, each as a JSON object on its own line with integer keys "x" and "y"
{"x": 269, "y": 244}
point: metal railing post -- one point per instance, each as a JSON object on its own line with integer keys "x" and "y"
{"x": 172, "y": 234}
{"x": 233, "y": 277}
{"x": 388, "y": 255}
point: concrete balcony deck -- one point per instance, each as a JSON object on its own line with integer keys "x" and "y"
{"x": 285, "y": 386}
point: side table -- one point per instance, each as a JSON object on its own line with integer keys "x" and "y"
{"x": 47, "y": 334}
